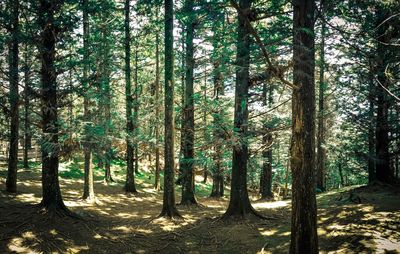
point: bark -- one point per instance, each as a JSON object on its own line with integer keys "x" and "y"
{"x": 52, "y": 199}
{"x": 169, "y": 209}
{"x": 11, "y": 182}
{"x": 266, "y": 173}
{"x": 304, "y": 237}
{"x": 157, "y": 105}
{"x": 321, "y": 111}
{"x": 217, "y": 190}
{"x": 371, "y": 134}
{"x": 383, "y": 172}
{"x": 205, "y": 173}
{"x": 136, "y": 114}
{"x": 27, "y": 129}
{"x": 130, "y": 173}
{"x": 88, "y": 188}
{"x": 105, "y": 80}
{"x": 239, "y": 203}
{"x": 188, "y": 196}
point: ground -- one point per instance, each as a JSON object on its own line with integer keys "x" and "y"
{"x": 350, "y": 220}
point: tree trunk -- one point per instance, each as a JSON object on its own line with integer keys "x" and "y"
{"x": 52, "y": 199}
{"x": 239, "y": 203}
{"x": 371, "y": 137}
{"x": 383, "y": 172}
{"x": 11, "y": 182}
{"x": 169, "y": 209}
{"x": 27, "y": 131}
{"x": 304, "y": 237}
{"x": 136, "y": 114}
{"x": 105, "y": 79}
{"x": 205, "y": 173}
{"x": 266, "y": 173}
{"x": 188, "y": 197}
{"x": 321, "y": 111}
{"x": 130, "y": 173}
{"x": 157, "y": 105}
{"x": 88, "y": 188}
{"x": 217, "y": 190}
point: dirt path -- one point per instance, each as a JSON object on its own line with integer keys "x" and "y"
{"x": 367, "y": 221}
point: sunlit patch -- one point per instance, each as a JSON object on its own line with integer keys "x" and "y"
{"x": 268, "y": 232}
{"x": 28, "y": 198}
{"x": 19, "y": 245}
{"x": 53, "y": 232}
{"x": 123, "y": 229}
{"x": 271, "y": 205}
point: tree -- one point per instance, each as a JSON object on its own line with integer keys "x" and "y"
{"x": 130, "y": 174}
{"x": 11, "y": 182}
{"x": 239, "y": 203}
{"x": 88, "y": 188}
{"x": 384, "y": 57}
{"x": 266, "y": 173}
{"x": 50, "y": 147}
{"x": 304, "y": 208}
{"x": 217, "y": 190}
{"x": 169, "y": 208}
{"x": 187, "y": 164}
{"x": 321, "y": 153}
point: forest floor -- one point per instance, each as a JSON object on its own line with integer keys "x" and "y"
{"x": 350, "y": 220}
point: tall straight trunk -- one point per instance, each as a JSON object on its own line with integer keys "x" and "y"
{"x": 11, "y": 182}
{"x": 205, "y": 173}
{"x": 320, "y": 167}
{"x": 383, "y": 171}
{"x": 105, "y": 79}
{"x": 136, "y": 112}
{"x": 27, "y": 131}
{"x": 217, "y": 190}
{"x": 266, "y": 173}
{"x": 52, "y": 199}
{"x": 157, "y": 105}
{"x": 169, "y": 209}
{"x": 188, "y": 197}
{"x": 182, "y": 115}
{"x": 371, "y": 134}
{"x": 130, "y": 173}
{"x": 239, "y": 203}
{"x": 88, "y": 188}
{"x": 304, "y": 237}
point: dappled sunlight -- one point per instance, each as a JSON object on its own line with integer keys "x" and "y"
{"x": 271, "y": 205}
{"x": 28, "y": 198}
{"x": 121, "y": 219}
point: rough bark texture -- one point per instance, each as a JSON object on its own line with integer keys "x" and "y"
{"x": 383, "y": 171}
{"x": 52, "y": 199}
{"x": 321, "y": 111}
{"x": 188, "y": 196}
{"x": 371, "y": 134}
{"x": 266, "y": 173}
{"x": 239, "y": 203}
{"x": 130, "y": 173}
{"x": 27, "y": 129}
{"x": 304, "y": 237}
{"x": 157, "y": 105}
{"x": 11, "y": 182}
{"x": 88, "y": 189}
{"x": 169, "y": 209}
